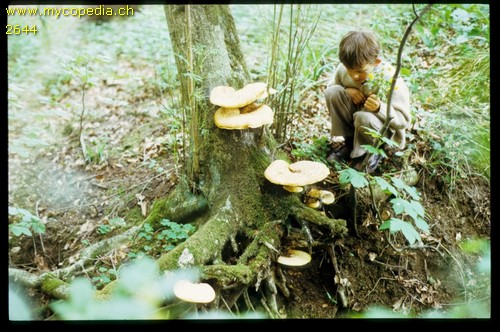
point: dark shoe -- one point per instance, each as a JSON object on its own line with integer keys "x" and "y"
{"x": 357, "y": 163}
{"x": 373, "y": 163}
{"x": 341, "y": 150}
{"x": 339, "y": 155}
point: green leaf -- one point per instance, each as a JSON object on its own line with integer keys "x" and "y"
{"x": 385, "y": 225}
{"x": 406, "y": 228}
{"x": 405, "y": 71}
{"x": 117, "y": 221}
{"x": 417, "y": 207}
{"x": 353, "y": 177}
{"x": 18, "y": 230}
{"x": 398, "y": 205}
{"x": 386, "y": 186}
{"x": 422, "y": 225}
{"x": 389, "y": 142}
{"x": 403, "y": 186}
{"x": 371, "y": 149}
{"x": 38, "y": 227}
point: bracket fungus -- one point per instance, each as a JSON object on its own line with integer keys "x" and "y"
{"x": 316, "y": 197}
{"x": 233, "y": 118}
{"x": 298, "y": 174}
{"x": 228, "y": 97}
{"x": 238, "y": 109}
{"x": 294, "y": 259}
{"x": 194, "y": 293}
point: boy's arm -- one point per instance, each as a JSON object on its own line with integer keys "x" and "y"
{"x": 337, "y": 78}
{"x": 400, "y": 107}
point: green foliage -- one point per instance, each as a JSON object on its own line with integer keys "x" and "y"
{"x": 96, "y": 152}
{"x": 111, "y": 225}
{"x": 136, "y": 296}
{"x": 406, "y": 198}
{"x": 405, "y": 202}
{"x": 25, "y": 223}
{"x": 104, "y": 277}
{"x": 163, "y": 239}
{"x": 317, "y": 151}
{"x": 19, "y": 308}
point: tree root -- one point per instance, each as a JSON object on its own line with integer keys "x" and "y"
{"x": 337, "y": 227}
{"x": 180, "y": 206}
{"x": 52, "y": 282}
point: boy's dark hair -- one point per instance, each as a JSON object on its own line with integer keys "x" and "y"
{"x": 358, "y": 48}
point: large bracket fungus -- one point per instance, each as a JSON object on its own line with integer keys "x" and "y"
{"x": 238, "y": 109}
{"x": 298, "y": 174}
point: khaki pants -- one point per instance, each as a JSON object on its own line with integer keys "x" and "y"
{"x": 349, "y": 120}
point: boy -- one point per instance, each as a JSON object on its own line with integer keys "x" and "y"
{"x": 353, "y": 105}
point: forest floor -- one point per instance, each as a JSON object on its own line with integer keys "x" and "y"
{"x": 78, "y": 201}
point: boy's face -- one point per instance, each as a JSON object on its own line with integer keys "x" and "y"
{"x": 359, "y": 75}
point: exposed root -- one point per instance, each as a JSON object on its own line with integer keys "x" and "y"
{"x": 337, "y": 227}
{"x": 52, "y": 282}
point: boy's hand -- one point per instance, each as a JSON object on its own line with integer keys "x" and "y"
{"x": 372, "y": 104}
{"x": 357, "y": 96}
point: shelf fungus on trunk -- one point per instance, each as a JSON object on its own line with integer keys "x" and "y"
{"x": 296, "y": 175}
{"x": 294, "y": 259}
{"x": 194, "y": 293}
{"x": 238, "y": 108}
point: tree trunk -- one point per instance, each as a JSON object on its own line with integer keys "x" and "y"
{"x": 244, "y": 215}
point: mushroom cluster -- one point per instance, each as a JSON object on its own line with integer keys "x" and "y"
{"x": 315, "y": 198}
{"x": 293, "y": 177}
{"x": 238, "y": 108}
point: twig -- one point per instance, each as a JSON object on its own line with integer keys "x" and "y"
{"x": 381, "y": 278}
{"x": 340, "y": 288}
{"x": 389, "y": 266}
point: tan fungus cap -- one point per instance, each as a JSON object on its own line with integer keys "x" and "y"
{"x": 326, "y": 197}
{"x": 294, "y": 258}
{"x": 298, "y": 174}
{"x": 228, "y": 97}
{"x": 233, "y": 118}
{"x": 195, "y": 293}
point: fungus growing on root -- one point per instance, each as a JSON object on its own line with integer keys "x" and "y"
{"x": 295, "y": 259}
{"x": 194, "y": 293}
{"x": 315, "y": 198}
{"x": 298, "y": 174}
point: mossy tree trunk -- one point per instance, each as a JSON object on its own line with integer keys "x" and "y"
{"x": 244, "y": 215}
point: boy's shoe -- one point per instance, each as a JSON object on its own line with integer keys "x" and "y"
{"x": 357, "y": 163}
{"x": 339, "y": 155}
{"x": 373, "y": 161}
{"x": 342, "y": 152}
